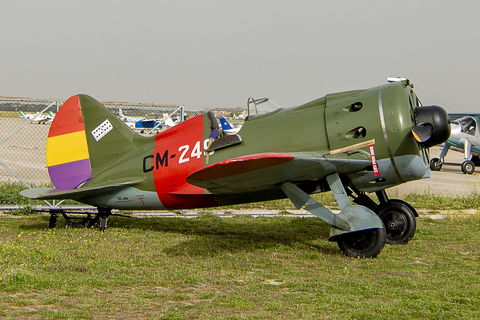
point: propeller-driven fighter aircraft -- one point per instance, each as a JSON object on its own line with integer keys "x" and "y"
{"x": 465, "y": 138}
{"x": 350, "y": 143}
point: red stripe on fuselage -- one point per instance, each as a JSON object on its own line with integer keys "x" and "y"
{"x": 178, "y": 152}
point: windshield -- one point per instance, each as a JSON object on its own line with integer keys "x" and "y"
{"x": 258, "y": 106}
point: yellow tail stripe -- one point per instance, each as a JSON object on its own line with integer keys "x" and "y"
{"x": 67, "y": 148}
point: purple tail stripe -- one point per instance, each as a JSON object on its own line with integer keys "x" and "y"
{"x": 67, "y": 176}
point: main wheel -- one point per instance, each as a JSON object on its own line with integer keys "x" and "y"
{"x": 435, "y": 164}
{"x": 363, "y": 244}
{"x": 399, "y": 221}
{"x": 468, "y": 167}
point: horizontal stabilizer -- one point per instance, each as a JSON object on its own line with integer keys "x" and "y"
{"x": 52, "y": 193}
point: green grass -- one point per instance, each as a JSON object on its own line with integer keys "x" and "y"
{"x": 9, "y": 195}
{"x": 233, "y": 268}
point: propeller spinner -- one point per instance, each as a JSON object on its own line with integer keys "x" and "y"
{"x": 432, "y": 126}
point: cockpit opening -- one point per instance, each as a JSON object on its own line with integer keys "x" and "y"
{"x": 468, "y": 125}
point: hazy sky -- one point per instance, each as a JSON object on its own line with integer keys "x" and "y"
{"x": 208, "y": 54}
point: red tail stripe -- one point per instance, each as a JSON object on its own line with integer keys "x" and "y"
{"x": 68, "y": 119}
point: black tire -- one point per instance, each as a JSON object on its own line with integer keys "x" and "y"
{"x": 363, "y": 244}
{"x": 468, "y": 167}
{"x": 399, "y": 220}
{"x": 435, "y": 164}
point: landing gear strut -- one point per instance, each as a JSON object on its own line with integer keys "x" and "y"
{"x": 358, "y": 231}
{"x": 82, "y": 219}
{"x": 468, "y": 166}
{"x": 103, "y": 215}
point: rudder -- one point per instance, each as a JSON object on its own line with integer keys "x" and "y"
{"x": 84, "y": 139}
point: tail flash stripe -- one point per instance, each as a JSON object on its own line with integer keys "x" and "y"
{"x": 67, "y": 148}
{"x": 68, "y": 158}
{"x": 69, "y": 175}
{"x": 70, "y": 118}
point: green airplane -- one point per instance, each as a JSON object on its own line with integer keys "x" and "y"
{"x": 351, "y": 143}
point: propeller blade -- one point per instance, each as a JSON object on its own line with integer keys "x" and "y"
{"x": 422, "y": 133}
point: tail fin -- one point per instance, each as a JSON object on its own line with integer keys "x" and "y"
{"x": 225, "y": 124}
{"x": 169, "y": 122}
{"x": 84, "y": 140}
{"x": 120, "y": 113}
{"x": 22, "y": 114}
{"x": 51, "y": 114}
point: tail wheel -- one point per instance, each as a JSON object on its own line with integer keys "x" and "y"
{"x": 468, "y": 167}
{"x": 399, "y": 221}
{"x": 363, "y": 244}
{"x": 435, "y": 164}
{"x": 103, "y": 223}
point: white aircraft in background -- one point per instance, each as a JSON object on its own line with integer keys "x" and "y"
{"x": 137, "y": 122}
{"x": 38, "y": 117}
{"x": 465, "y": 138}
{"x": 143, "y": 124}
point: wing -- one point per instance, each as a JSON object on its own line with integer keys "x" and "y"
{"x": 266, "y": 171}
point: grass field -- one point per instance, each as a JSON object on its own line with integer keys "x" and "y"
{"x": 234, "y": 268}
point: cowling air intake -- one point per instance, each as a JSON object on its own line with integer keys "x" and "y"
{"x": 431, "y": 126}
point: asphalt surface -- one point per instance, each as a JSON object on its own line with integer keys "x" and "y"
{"x": 450, "y": 181}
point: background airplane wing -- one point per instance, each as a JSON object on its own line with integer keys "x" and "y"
{"x": 269, "y": 170}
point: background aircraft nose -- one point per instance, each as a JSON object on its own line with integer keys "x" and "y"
{"x": 431, "y": 126}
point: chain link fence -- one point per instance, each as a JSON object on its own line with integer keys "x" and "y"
{"x": 24, "y": 126}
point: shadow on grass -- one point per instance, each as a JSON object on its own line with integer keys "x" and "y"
{"x": 35, "y": 224}
{"x": 211, "y": 235}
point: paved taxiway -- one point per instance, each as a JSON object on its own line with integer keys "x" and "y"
{"x": 451, "y": 181}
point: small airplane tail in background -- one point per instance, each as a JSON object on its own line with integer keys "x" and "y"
{"x": 227, "y": 128}
{"x": 169, "y": 122}
{"x": 22, "y": 115}
{"x": 84, "y": 141}
{"x": 120, "y": 114}
{"x": 225, "y": 125}
{"x": 51, "y": 114}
